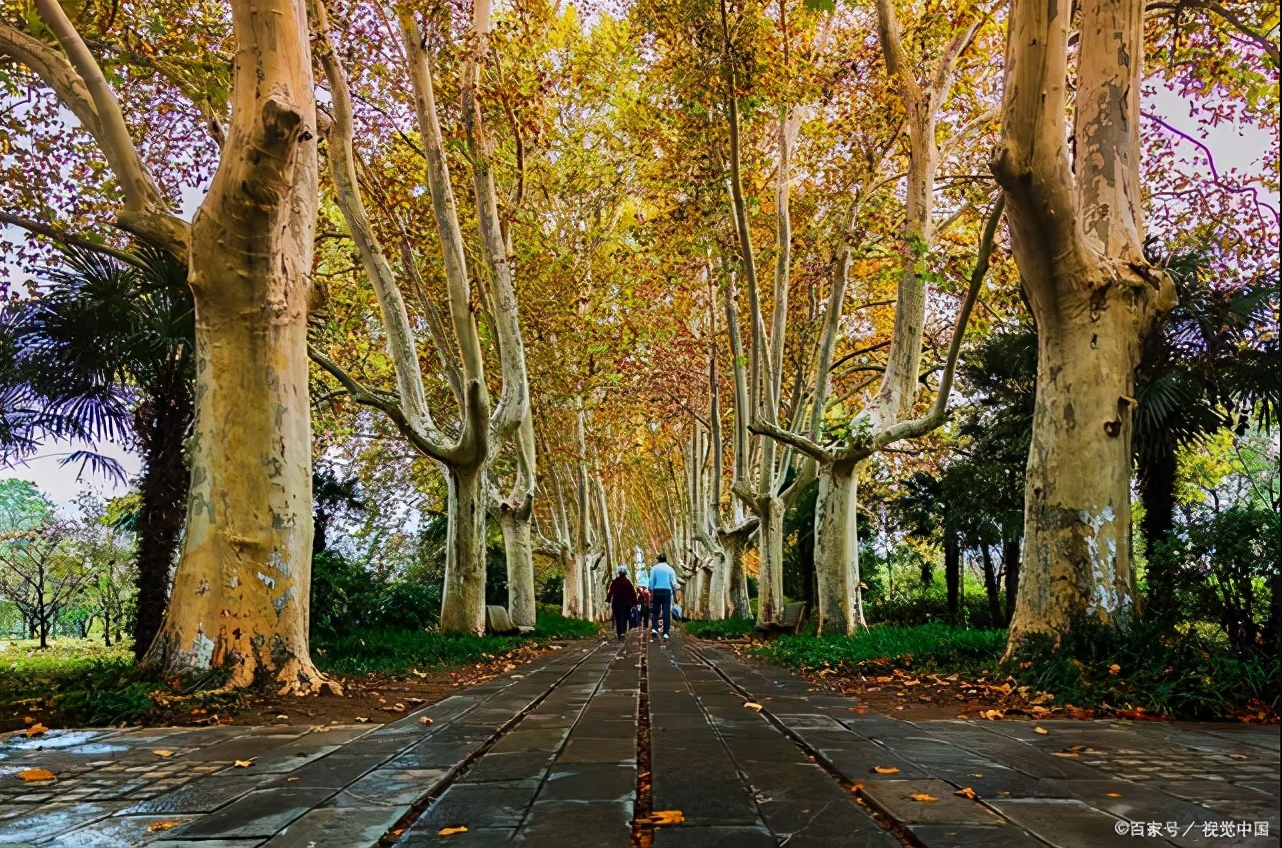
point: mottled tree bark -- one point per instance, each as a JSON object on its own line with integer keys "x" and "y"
{"x": 1076, "y": 227}
{"x": 241, "y": 590}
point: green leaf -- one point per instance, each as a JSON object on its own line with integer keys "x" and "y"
{"x": 826, "y": 6}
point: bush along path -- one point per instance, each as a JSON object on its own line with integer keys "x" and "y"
{"x": 646, "y": 743}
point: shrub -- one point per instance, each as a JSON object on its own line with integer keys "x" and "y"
{"x": 930, "y": 645}
{"x": 730, "y": 628}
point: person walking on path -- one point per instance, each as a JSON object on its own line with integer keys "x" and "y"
{"x": 621, "y": 597}
{"x": 663, "y": 582}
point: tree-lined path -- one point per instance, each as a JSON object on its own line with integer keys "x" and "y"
{"x": 674, "y": 744}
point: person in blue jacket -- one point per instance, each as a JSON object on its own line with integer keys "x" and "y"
{"x": 663, "y": 582}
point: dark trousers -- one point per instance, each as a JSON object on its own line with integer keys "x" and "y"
{"x": 661, "y": 603}
{"x": 621, "y": 614}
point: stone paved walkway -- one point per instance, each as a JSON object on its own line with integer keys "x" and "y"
{"x": 549, "y": 757}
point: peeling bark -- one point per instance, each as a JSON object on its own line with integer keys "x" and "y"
{"x": 241, "y": 590}
{"x": 1077, "y": 233}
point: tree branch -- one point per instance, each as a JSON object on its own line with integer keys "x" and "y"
{"x": 147, "y": 212}
{"x": 62, "y": 237}
{"x": 793, "y": 440}
{"x": 939, "y": 411}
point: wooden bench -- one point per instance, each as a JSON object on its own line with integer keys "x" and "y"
{"x": 498, "y": 622}
{"x": 793, "y": 615}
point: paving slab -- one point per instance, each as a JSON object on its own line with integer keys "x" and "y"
{"x": 909, "y": 802}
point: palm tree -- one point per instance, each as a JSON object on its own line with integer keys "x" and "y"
{"x": 1210, "y": 364}
{"x": 104, "y": 352}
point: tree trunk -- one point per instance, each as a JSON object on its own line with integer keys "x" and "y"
{"x": 1010, "y": 565}
{"x": 990, "y": 586}
{"x": 953, "y": 575}
{"x": 463, "y": 599}
{"x": 241, "y": 591}
{"x": 837, "y": 547}
{"x": 1156, "y": 477}
{"x": 518, "y": 550}
{"x": 737, "y": 578}
{"x": 1077, "y": 231}
{"x": 1078, "y": 495}
{"x": 162, "y": 422}
{"x": 770, "y": 600}
{"x": 717, "y": 608}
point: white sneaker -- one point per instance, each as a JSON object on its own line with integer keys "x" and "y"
{"x": 654, "y": 632}
{"x": 665, "y": 635}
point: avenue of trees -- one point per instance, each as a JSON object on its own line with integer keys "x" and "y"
{"x": 411, "y": 307}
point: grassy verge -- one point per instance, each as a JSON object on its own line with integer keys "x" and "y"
{"x": 80, "y": 683}
{"x": 730, "y": 628}
{"x": 401, "y": 651}
{"x": 930, "y": 646}
{"x": 1100, "y": 671}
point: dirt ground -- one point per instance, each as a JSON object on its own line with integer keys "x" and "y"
{"x": 928, "y": 696}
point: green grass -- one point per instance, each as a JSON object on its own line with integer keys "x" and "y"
{"x": 937, "y": 646}
{"x": 1190, "y": 674}
{"x": 88, "y": 683}
{"x": 1185, "y": 675}
{"x": 730, "y": 628}
{"x": 82, "y": 683}
{"x": 399, "y": 651}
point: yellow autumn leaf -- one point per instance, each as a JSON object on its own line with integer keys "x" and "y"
{"x": 362, "y": 720}
{"x": 163, "y": 752}
{"x": 1041, "y": 730}
{"x": 885, "y": 770}
{"x": 755, "y": 707}
{"x": 662, "y": 817}
{"x": 1114, "y": 669}
{"x": 966, "y": 792}
{"x": 244, "y": 763}
{"x": 1113, "y": 794}
{"x": 36, "y": 729}
{"x": 450, "y": 831}
{"x": 923, "y": 797}
{"x": 157, "y": 827}
{"x": 36, "y": 774}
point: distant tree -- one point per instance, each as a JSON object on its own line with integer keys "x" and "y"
{"x": 105, "y": 351}
{"x": 40, "y": 574}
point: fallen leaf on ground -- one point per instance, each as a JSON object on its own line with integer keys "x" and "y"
{"x": 362, "y": 720}
{"x": 162, "y": 752}
{"x": 394, "y": 708}
{"x": 417, "y": 673}
{"x": 36, "y": 774}
{"x": 966, "y": 792}
{"x": 1114, "y": 669}
{"x": 885, "y": 770}
{"x": 923, "y": 797}
{"x": 36, "y": 729}
{"x": 1113, "y": 794}
{"x": 858, "y": 787}
{"x": 1041, "y": 730}
{"x": 992, "y": 714}
{"x": 244, "y": 763}
{"x": 282, "y": 717}
{"x": 157, "y": 827}
{"x": 662, "y": 817}
{"x": 424, "y": 720}
{"x": 755, "y": 707}
{"x": 450, "y": 831}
